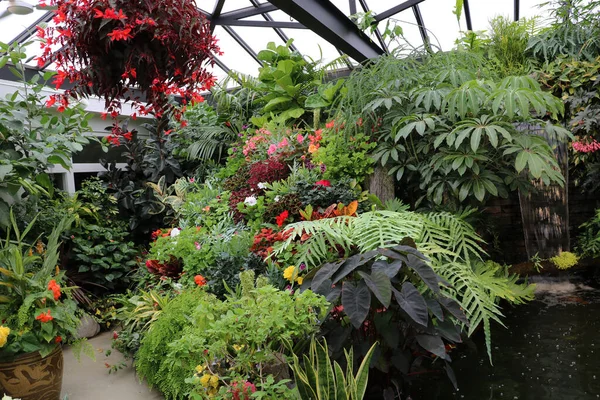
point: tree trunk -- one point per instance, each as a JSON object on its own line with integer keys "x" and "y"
{"x": 381, "y": 184}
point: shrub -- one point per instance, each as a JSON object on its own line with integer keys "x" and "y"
{"x": 565, "y": 260}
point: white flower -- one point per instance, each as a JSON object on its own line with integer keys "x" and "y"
{"x": 175, "y": 232}
{"x": 262, "y": 185}
{"x": 177, "y": 286}
{"x": 276, "y": 199}
{"x": 250, "y": 201}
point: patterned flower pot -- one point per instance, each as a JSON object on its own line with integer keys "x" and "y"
{"x": 31, "y": 377}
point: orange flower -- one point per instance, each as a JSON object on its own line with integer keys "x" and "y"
{"x": 120, "y": 34}
{"x": 44, "y": 317}
{"x": 312, "y": 148}
{"x": 55, "y": 288}
{"x": 58, "y": 339}
{"x": 200, "y": 280}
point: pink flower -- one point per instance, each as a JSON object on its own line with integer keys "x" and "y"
{"x": 324, "y": 183}
{"x": 283, "y": 143}
{"x": 272, "y": 149}
{"x": 300, "y": 138}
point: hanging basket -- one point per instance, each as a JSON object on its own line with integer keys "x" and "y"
{"x": 31, "y": 377}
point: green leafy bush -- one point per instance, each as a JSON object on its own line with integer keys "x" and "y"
{"x": 232, "y": 339}
{"x": 565, "y": 260}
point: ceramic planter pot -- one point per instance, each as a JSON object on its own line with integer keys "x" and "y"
{"x": 31, "y": 377}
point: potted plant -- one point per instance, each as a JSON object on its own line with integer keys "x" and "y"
{"x": 37, "y": 314}
{"x": 122, "y": 49}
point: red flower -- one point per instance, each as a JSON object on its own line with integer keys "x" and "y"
{"x": 127, "y": 135}
{"x": 330, "y": 124}
{"x": 51, "y": 101}
{"x": 120, "y": 34}
{"x": 324, "y": 183}
{"x": 200, "y": 280}
{"x": 58, "y": 339}
{"x": 55, "y": 288}
{"x": 115, "y": 335}
{"x": 44, "y": 317}
{"x": 282, "y": 217}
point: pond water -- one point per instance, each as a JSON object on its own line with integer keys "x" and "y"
{"x": 550, "y": 350}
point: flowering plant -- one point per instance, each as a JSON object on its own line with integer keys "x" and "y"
{"x": 36, "y": 310}
{"x": 107, "y": 47}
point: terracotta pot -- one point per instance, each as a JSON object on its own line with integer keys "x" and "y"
{"x": 31, "y": 377}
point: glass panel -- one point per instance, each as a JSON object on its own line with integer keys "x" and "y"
{"x": 257, "y": 37}
{"x": 232, "y": 5}
{"x": 483, "y": 11}
{"x": 206, "y": 5}
{"x": 92, "y": 153}
{"x": 12, "y": 24}
{"x": 58, "y": 180}
{"x": 529, "y": 8}
{"x": 312, "y": 45}
{"x": 412, "y": 36}
{"x": 234, "y": 56}
{"x": 441, "y": 23}
{"x": 80, "y": 177}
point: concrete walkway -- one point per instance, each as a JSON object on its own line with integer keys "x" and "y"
{"x": 90, "y": 380}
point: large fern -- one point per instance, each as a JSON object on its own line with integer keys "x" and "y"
{"x": 449, "y": 241}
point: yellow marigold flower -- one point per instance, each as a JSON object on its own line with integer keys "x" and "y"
{"x": 199, "y": 368}
{"x": 289, "y": 273}
{"x": 205, "y": 380}
{"x": 214, "y": 381}
{"x": 4, "y": 332}
{"x": 300, "y": 280}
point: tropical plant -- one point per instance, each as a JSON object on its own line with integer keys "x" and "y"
{"x": 588, "y": 241}
{"x": 317, "y": 378}
{"x": 107, "y": 48}
{"x": 446, "y": 239}
{"x": 565, "y": 260}
{"x": 37, "y": 311}
{"x": 32, "y": 137}
{"x": 449, "y": 130}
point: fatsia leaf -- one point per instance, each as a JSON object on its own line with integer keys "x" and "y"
{"x": 356, "y": 301}
{"x": 410, "y": 300}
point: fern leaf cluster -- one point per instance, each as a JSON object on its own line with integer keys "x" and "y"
{"x": 448, "y": 240}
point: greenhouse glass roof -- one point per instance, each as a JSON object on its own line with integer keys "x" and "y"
{"x": 321, "y": 29}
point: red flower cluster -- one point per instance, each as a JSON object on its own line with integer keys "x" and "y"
{"x": 280, "y": 219}
{"x": 108, "y": 47}
{"x": 200, "y": 280}
{"x": 589, "y": 147}
{"x": 44, "y": 317}
{"x": 242, "y": 390}
{"x": 55, "y": 288}
{"x": 324, "y": 183}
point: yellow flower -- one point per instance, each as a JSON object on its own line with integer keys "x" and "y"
{"x": 238, "y": 347}
{"x": 4, "y": 332}
{"x": 300, "y": 280}
{"x": 212, "y": 392}
{"x": 290, "y": 273}
{"x": 214, "y": 381}
{"x": 205, "y": 380}
{"x": 199, "y": 368}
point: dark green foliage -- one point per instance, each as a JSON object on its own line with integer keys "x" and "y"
{"x": 322, "y": 196}
{"x": 379, "y": 298}
{"x": 147, "y": 161}
{"x": 588, "y": 241}
{"x": 226, "y": 268}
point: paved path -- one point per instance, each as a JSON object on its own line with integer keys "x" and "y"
{"x": 90, "y": 380}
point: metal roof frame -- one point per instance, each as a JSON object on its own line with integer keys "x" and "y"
{"x": 320, "y": 16}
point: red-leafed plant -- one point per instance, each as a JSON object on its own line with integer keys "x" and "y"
{"x": 121, "y": 49}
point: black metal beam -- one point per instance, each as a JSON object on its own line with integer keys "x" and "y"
{"x": 365, "y": 7}
{"x": 216, "y": 14}
{"x": 247, "y": 11}
{"x": 422, "y": 30}
{"x": 395, "y": 10}
{"x": 352, "y": 5}
{"x": 327, "y": 21}
{"x": 468, "y": 15}
{"x": 517, "y": 7}
{"x": 260, "y": 24}
{"x": 242, "y": 43}
{"x": 278, "y": 31}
